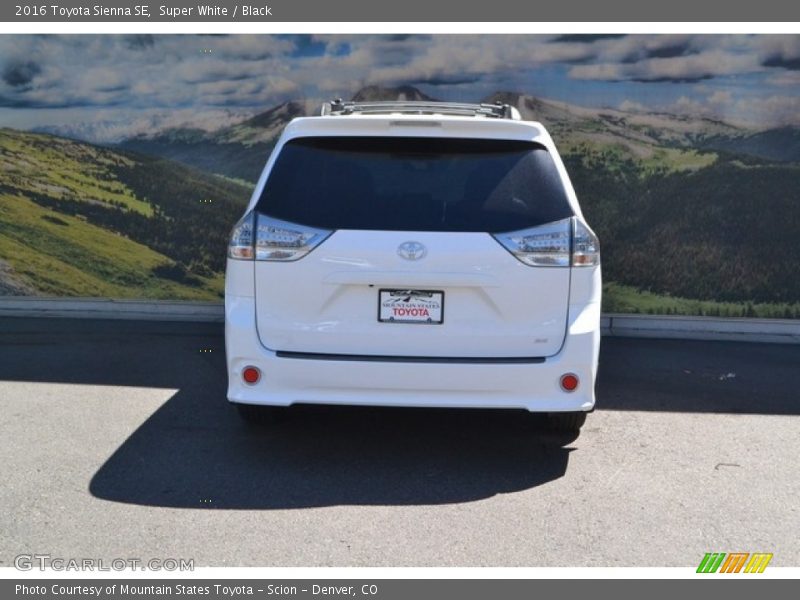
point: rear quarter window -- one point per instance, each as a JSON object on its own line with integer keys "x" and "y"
{"x": 414, "y": 184}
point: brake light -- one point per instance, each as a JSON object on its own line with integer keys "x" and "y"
{"x": 557, "y": 244}
{"x": 258, "y": 237}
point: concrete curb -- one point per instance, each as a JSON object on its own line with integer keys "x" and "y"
{"x": 103, "y": 308}
{"x": 784, "y": 331}
{"x": 781, "y": 331}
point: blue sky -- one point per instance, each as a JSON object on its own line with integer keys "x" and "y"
{"x": 105, "y": 88}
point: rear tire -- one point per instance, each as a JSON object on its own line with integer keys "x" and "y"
{"x": 256, "y": 414}
{"x": 566, "y": 422}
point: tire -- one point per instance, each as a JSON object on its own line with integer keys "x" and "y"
{"x": 566, "y": 422}
{"x": 256, "y": 414}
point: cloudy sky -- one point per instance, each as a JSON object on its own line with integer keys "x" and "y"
{"x": 106, "y": 88}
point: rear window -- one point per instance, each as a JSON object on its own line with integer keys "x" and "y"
{"x": 414, "y": 184}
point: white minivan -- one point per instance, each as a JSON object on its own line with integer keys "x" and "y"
{"x": 414, "y": 254}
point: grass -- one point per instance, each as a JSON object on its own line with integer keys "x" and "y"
{"x": 66, "y": 256}
{"x": 647, "y": 159}
{"x": 673, "y": 160}
{"x": 626, "y": 299}
{"x": 62, "y": 168}
{"x": 248, "y": 185}
{"x": 56, "y": 254}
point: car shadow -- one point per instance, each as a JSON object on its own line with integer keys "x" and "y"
{"x": 195, "y": 452}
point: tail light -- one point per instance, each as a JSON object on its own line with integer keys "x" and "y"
{"x": 260, "y": 237}
{"x": 557, "y": 244}
{"x": 544, "y": 246}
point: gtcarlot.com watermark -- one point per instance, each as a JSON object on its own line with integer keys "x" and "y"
{"x": 43, "y": 562}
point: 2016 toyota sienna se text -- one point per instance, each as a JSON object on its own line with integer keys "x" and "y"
{"x": 414, "y": 254}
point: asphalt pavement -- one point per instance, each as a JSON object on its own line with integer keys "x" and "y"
{"x": 117, "y": 442}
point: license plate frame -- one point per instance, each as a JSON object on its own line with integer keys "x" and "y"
{"x": 420, "y": 307}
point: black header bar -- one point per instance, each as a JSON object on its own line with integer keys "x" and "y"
{"x": 420, "y": 11}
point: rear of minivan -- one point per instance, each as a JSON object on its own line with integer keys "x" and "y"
{"x": 414, "y": 260}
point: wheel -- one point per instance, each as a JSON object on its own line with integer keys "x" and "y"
{"x": 256, "y": 414}
{"x": 566, "y": 422}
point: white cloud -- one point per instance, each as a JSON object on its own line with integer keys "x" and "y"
{"x": 704, "y": 65}
{"x": 785, "y": 78}
{"x": 746, "y": 111}
{"x": 108, "y": 126}
{"x": 193, "y": 75}
{"x": 632, "y": 106}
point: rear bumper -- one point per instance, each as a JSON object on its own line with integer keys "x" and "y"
{"x": 531, "y": 386}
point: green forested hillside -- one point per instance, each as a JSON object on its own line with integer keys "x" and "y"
{"x": 683, "y": 230}
{"x": 80, "y": 220}
{"x": 781, "y": 144}
{"x": 231, "y": 159}
{"x": 725, "y": 234}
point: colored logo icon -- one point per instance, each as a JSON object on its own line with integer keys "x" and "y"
{"x": 734, "y": 562}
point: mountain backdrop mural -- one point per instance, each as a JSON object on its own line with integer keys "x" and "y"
{"x": 123, "y": 178}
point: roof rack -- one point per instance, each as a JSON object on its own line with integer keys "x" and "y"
{"x": 430, "y": 107}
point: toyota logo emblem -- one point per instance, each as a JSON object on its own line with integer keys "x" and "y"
{"x": 412, "y": 250}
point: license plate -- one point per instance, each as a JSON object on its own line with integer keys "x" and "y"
{"x": 410, "y": 306}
